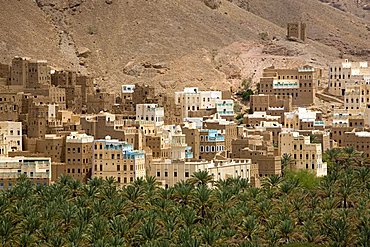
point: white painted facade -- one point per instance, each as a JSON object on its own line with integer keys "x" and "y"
{"x": 150, "y": 113}
{"x": 11, "y": 133}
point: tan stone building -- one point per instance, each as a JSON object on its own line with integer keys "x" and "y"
{"x": 360, "y": 141}
{"x": 357, "y": 97}
{"x": 106, "y": 124}
{"x": 5, "y": 73}
{"x": 227, "y": 128}
{"x": 300, "y": 83}
{"x": 296, "y": 31}
{"x": 10, "y": 104}
{"x": 303, "y": 119}
{"x": 345, "y": 73}
{"x": 306, "y": 155}
{"x": 212, "y": 142}
{"x": 78, "y": 156}
{"x": 273, "y": 105}
{"x": 256, "y": 118}
{"x": 343, "y": 122}
{"x": 117, "y": 159}
{"x": 261, "y": 152}
{"x": 192, "y": 139}
{"x": 73, "y": 92}
{"x": 53, "y": 146}
{"x": 38, "y": 74}
{"x": 19, "y": 71}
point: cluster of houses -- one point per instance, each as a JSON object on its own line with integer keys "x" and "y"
{"x": 55, "y": 123}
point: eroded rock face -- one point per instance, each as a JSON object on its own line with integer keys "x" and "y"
{"x": 213, "y": 4}
{"x": 60, "y": 4}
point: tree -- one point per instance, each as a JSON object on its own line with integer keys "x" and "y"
{"x": 287, "y": 162}
{"x": 201, "y": 178}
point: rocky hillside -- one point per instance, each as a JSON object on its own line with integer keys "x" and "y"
{"x": 172, "y": 43}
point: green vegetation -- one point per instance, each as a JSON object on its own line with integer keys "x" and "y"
{"x": 264, "y": 36}
{"x": 294, "y": 210}
{"x": 246, "y": 91}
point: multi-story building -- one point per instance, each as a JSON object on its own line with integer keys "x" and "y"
{"x": 37, "y": 120}
{"x": 192, "y": 139}
{"x": 19, "y": 71}
{"x": 192, "y": 100}
{"x": 303, "y": 119}
{"x": 360, "y": 141}
{"x": 78, "y": 156}
{"x": 300, "y": 83}
{"x": 73, "y": 92}
{"x": 212, "y": 142}
{"x": 258, "y": 148}
{"x": 107, "y": 124}
{"x": 306, "y": 155}
{"x": 38, "y": 74}
{"x": 100, "y": 100}
{"x": 36, "y": 168}
{"x": 346, "y": 73}
{"x": 343, "y": 122}
{"x": 5, "y": 73}
{"x": 150, "y": 113}
{"x": 274, "y": 105}
{"x": 357, "y": 97}
{"x": 117, "y": 159}
{"x": 10, "y": 104}
{"x": 11, "y": 133}
{"x": 225, "y": 108}
{"x": 127, "y": 92}
{"x": 53, "y": 146}
{"x": 169, "y": 172}
{"x": 227, "y": 128}
{"x": 257, "y": 117}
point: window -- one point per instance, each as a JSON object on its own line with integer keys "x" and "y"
{"x": 166, "y": 174}
{"x": 186, "y": 174}
{"x": 158, "y": 174}
{"x": 118, "y": 167}
{"x": 175, "y": 174}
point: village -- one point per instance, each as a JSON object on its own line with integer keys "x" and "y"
{"x": 56, "y": 123}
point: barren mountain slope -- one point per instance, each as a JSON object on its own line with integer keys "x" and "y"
{"x": 326, "y": 24}
{"x": 360, "y": 8}
{"x": 27, "y": 31}
{"x": 170, "y": 43}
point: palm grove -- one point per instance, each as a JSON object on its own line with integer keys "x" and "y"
{"x": 296, "y": 209}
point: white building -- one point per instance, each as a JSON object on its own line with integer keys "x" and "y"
{"x": 36, "y": 168}
{"x": 177, "y": 141}
{"x": 209, "y": 98}
{"x": 225, "y": 107}
{"x": 170, "y": 172}
{"x": 192, "y": 99}
{"x": 11, "y": 133}
{"x": 345, "y": 73}
{"x": 129, "y": 88}
{"x": 150, "y": 113}
{"x": 76, "y": 137}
